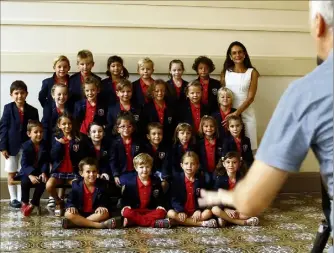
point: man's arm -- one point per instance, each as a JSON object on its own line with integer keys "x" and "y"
{"x": 252, "y": 194}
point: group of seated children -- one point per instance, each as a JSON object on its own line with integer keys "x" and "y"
{"x": 153, "y": 139}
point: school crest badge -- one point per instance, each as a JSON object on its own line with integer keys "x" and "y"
{"x": 170, "y": 120}
{"x": 198, "y": 191}
{"x": 156, "y": 193}
{"x": 136, "y": 117}
{"x": 104, "y": 153}
{"x": 137, "y": 148}
{"x": 214, "y": 91}
{"x": 162, "y": 155}
{"x": 75, "y": 147}
{"x": 100, "y": 112}
{"x": 244, "y": 147}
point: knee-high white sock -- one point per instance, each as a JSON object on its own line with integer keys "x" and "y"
{"x": 12, "y": 192}
{"x": 19, "y": 193}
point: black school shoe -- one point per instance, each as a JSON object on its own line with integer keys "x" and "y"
{"x": 15, "y": 203}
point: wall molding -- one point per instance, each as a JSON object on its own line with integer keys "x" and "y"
{"x": 296, "y": 183}
{"x": 42, "y": 63}
{"x": 126, "y": 15}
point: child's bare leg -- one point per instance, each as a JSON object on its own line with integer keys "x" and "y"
{"x": 221, "y": 214}
{"x": 61, "y": 192}
{"x": 97, "y": 217}
{"x": 188, "y": 221}
{"x": 243, "y": 217}
{"x": 165, "y": 186}
{"x": 81, "y": 221}
{"x": 51, "y": 188}
{"x": 10, "y": 178}
{"x": 206, "y": 214}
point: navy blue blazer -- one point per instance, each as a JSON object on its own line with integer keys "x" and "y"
{"x": 221, "y": 129}
{"x": 221, "y": 182}
{"x": 130, "y": 195}
{"x": 202, "y": 153}
{"x": 138, "y": 96}
{"x": 58, "y": 152}
{"x": 113, "y": 112}
{"x": 172, "y": 96}
{"x": 107, "y": 91}
{"x": 103, "y": 159}
{"x": 49, "y": 120}
{"x": 177, "y": 153}
{"x": 12, "y": 133}
{"x": 214, "y": 86}
{"x": 246, "y": 149}
{"x": 100, "y": 112}
{"x": 150, "y": 115}
{"x": 75, "y": 87}
{"x": 29, "y": 165}
{"x": 161, "y": 159}
{"x": 100, "y": 196}
{"x": 179, "y": 192}
{"x": 184, "y": 115}
{"x": 44, "y": 96}
{"x": 118, "y": 155}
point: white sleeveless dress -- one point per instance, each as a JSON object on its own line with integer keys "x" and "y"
{"x": 239, "y": 84}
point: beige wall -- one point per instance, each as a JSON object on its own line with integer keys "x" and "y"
{"x": 274, "y": 32}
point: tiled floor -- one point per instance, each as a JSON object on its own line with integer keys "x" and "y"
{"x": 288, "y": 226}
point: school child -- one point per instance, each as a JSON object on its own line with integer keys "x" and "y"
{"x": 61, "y": 66}
{"x": 85, "y": 62}
{"x": 160, "y": 153}
{"x": 185, "y": 193}
{"x": 193, "y": 109}
{"x": 237, "y": 141}
{"x": 92, "y": 108}
{"x": 13, "y": 133}
{"x": 230, "y": 170}
{"x": 124, "y": 148}
{"x": 98, "y": 147}
{"x": 116, "y": 72}
{"x": 125, "y": 104}
{"x": 176, "y": 85}
{"x": 87, "y": 204}
{"x": 159, "y": 110}
{"x": 66, "y": 152}
{"x": 183, "y": 142}
{"x": 145, "y": 68}
{"x": 34, "y": 167}
{"x": 55, "y": 107}
{"x": 210, "y": 148}
{"x": 204, "y": 67}
{"x": 143, "y": 198}
{"x": 225, "y": 101}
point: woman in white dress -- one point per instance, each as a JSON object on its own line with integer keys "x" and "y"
{"x": 239, "y": 76}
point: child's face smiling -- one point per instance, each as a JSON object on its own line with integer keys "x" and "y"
{"x": 146, "y": 71}
{"x": 96, "y": 133}
{"x": 85, "y": 66}
{"x": 125, "y": 129}
{"x": 208, "y": 129}
{"x": 194, "y": 94}
{"x": 124, "y": 94}
{"x": 91, "y": 91}
{"x": 155, "y": 136}
{"x": 143, "y": 170}
{"x": 19, "y": 96}
{"x": 159, "y": 92}
{"x": 65, "y": 125}
{"x": 61, "y": 69}
{"x": 36, "y": 134}
{"x": 189, "y": 166}
{"x": 184, "y": 136}
{"x": 235, "y": 127}
{"x": 116, "y": 68}
{"x": 89, "y": 174}
{"x": 60, "y": 95}
{"x": 231, "y": 165}
{"x": 225, "y": 99}
{"x": 176, "y": 70}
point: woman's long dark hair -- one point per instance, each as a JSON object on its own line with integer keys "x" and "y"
{"x": 229, "y": 64}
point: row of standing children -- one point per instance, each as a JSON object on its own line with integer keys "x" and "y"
{"x": 66, "y": 151}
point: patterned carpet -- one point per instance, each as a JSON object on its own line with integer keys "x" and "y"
{"x": 288, "y": 226}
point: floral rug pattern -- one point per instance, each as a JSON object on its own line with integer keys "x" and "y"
{"x": 289, "y": 226}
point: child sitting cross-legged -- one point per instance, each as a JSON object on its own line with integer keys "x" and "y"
{"x": 185, "y": 192}
{"x": 143, "y": 197}
{"x": 87, "y": 204}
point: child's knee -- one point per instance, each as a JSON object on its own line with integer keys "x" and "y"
{"x": 215, "y": 210}
{"x": 172, "y": 214}
{"x": 69, "y": 215}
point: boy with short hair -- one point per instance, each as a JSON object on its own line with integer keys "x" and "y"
{"x": 85, "y": 62}
{"x": 13, "y": 133}
{"x": 142, "y": 197}
{"x": 87, "y": 204}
